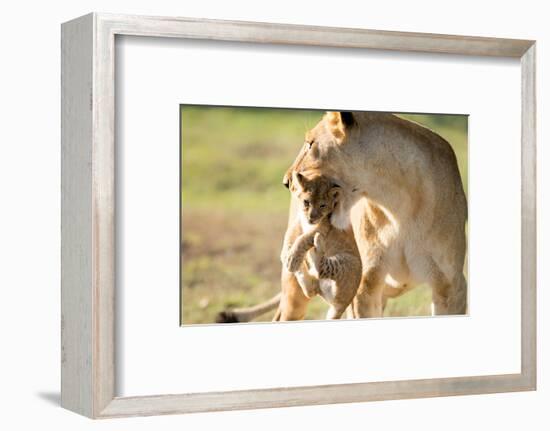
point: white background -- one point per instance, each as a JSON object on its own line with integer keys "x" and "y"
{"x": 155, "y": 76}
{"x": 29, "y": 228}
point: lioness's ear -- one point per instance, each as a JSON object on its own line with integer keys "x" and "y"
{"x": 339, "y": 124}
{"x": 347, "y": 118}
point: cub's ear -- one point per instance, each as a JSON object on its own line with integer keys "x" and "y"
{"x": 339, "y": 124}
{"x": 335, "y": 191}
{"x": 298, "y": 181}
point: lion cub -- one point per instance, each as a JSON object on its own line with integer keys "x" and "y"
{"x": 324, "y": 259}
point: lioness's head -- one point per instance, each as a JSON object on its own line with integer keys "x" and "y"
{"x": 318, "y": 196}
{"x": 321, "y": 144}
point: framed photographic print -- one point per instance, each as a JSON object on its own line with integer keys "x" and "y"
{"x": 264, "y": 215}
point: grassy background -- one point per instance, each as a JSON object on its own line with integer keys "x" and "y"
{"x": 235, "y": 209}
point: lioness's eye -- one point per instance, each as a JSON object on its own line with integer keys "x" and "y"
{"x": 309, "y": 145}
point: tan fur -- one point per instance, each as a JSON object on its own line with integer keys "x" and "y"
{"x": 403, "y": 196}
{"x": 333, "y": 266}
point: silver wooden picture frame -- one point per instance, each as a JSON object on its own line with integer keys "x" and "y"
{"x": 88, "y": 214}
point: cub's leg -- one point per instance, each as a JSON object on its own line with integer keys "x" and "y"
{"x": 335, "y": 312}
{"x": 342, "y": 298}
{"x": 308, "y": 283}
{"x": 339, "y": 277}
{"x": 294, "y": 257}
{"x": 345, "y": 286}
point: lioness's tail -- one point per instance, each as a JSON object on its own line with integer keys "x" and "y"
{"x": 237, "y": 315}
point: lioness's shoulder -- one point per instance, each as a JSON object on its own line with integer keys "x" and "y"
{"x": 421, "y": 135}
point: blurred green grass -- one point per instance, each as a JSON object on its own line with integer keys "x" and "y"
{"x": 236, "y": 158}
{"x": 235, "y": 209}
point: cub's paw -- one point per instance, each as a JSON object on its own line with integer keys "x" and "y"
{"x": 293, "y": 262}
{"x": 310, "y": 291}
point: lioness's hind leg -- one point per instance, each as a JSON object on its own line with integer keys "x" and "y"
{"x": 449, "y": 298}
{"x": 458, "y": 295}
{"x": 440, "y": 292}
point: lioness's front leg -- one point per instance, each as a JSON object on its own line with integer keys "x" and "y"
{"x": 293, "y": 305}
{"x": 369, "y": 300}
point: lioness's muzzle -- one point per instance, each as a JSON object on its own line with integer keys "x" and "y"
{"x": 286, "y": 180}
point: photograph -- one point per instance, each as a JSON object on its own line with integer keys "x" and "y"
{"x": 294, "y": 214}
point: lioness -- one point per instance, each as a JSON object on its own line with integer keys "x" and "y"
{"x": 403, "y": 197}
{"x": 332, "y": 268}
